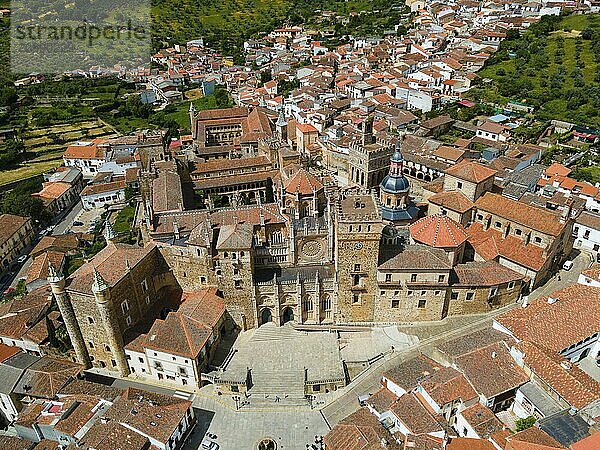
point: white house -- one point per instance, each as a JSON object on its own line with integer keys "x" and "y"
{"x": 586, "y": 231}
{"x": 86, "y": 156}
{"x": 100, "y": 194}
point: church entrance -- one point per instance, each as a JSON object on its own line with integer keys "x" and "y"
{"x": 266, "y": 316}
{"x": 288, "y": 315}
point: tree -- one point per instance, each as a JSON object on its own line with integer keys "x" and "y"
{"x": 527, "y": 422}
{"x": 11, "y": 154}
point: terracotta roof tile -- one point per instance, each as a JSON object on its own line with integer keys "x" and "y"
{"x": 491, "y": 370}
{"x": 452, "y": 200}
{"x": 539, "y": 439}
{"x": 484, "y": 273}
{"x": 438, "y": 231}
{"x": 569, "y": 381}
{"x": 411, "y": 412}
{"x": 482, "y": 419}
{"x": 360, "y": 431}
{"x": 304, "y": 183}
{"x": 447, "y": 385}
{"x": 540, "y": 219}
{"x": 470, "y": 171}
{"x": 9, "y": 225}
{"x": 461, "y": 443}
{"x": 558, "y": 325}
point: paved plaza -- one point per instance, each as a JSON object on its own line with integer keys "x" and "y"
{"x": 242, "y": 430}
{"x": 279, "y": 357}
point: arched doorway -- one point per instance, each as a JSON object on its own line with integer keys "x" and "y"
{"x": 266, "y": 316}
{"x": 288, "y": 315}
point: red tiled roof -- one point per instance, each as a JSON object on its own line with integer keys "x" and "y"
{"x": 304, "y": 183}
{"x": 7, "y": 351}
{"x": 558, "y": 325}
{"x": 438, "y": 231}
{"x": 539, "y": 219}
{"x": 452, "y": 200}
{"x": 570, "y": 382}
{"x": 470, "y": 171}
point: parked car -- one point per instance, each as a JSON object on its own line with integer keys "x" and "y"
{"x": 208, "y": 444}
{"x": 77, "y": 223}
{"x": 8, "y": 290}
{"x": 22, "y": 258}
{"x": 568, "y": 265}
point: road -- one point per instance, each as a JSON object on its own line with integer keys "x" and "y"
{"x": 67, "y": 221}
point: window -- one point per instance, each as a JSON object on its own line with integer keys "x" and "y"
{"x": 454, "y": 296}
{"x": 498, "y": 225}
{"x": 140, "y": 359}
{"x": 147, "y": 300}
{"x": 158, "y": 365}
{"x": 128, "y": 356}
{"x": 388, "y": 277}
{"x": 90, "y": 320}
{"x": 395, "y": 303}
{"x": 113, "y": 363}
{"x": 144, "y": 285}
{"x": 182, "y": 371}
{"x": 124, "y": 307}
{"x": 479, "y": 216}
{"x": 128, "y": 320}
{"x": 90, "y": 344}
{"x": 102, "y": 364}
{"x": 413, "y": 278}
{"x": 238, "y": 283}
{"x": 459, "y": 185}
{"x": 441, "y": 278}
{"x": 511, "y": 285}
{"x": 469, "y": 296}
{"x": 355, "y": 299}
{"x": 357, "y": 267}
{"x": 422, "y": 303}
{"x": 537, "y": 240}
{"x": 106, "y": 348}
{"x": 493, "y": 292}
{"x": 518, "y": 232}
{"x": 409, "y": 293}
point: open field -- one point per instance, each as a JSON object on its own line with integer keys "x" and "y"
{"x": 556, "y": 71}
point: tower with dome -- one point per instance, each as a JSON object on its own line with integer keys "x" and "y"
{"x": 394, "y": 193}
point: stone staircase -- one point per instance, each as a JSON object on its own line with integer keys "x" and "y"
{"x": 271, "y": 332}
{"x": 276, "y": 389}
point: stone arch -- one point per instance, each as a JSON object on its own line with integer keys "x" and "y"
{"x": 427, "y": 177}
{"x": 266, "y": 316}
{"x": 420, "y": 175}
{"x": 288, "y": 315}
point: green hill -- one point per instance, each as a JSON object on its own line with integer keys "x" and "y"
{"x": 555, "y": 66}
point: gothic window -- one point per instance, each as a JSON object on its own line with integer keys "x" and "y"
{"x": 307, "y": 303}
{"x": 125, "y": 307}
{"x": 326, "y": 303}
{"x": 422, "y": 303}
{"x": 144, "y": 285}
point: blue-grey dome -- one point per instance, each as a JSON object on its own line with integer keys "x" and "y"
{"x": 392, "y": 184}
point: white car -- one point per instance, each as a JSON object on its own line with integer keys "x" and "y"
{"x": 22, "y": 258}
{"x": 208, "y": 444}
{"x": 568, "y": 265}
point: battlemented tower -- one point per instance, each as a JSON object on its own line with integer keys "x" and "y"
{"x": 57, "y": 284}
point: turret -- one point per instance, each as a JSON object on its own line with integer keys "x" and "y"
{"x": 57, "y": 284}
{"x": 281, "y": 125}
{"x": 109, "y": 317}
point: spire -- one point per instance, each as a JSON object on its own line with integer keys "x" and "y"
{"x": 109, "y": 231}
{"x": 281, "y": 120}
{"x": 192, "y": 108}
{"x": 99, "y": 284}
{"x": 53, "y": 274}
